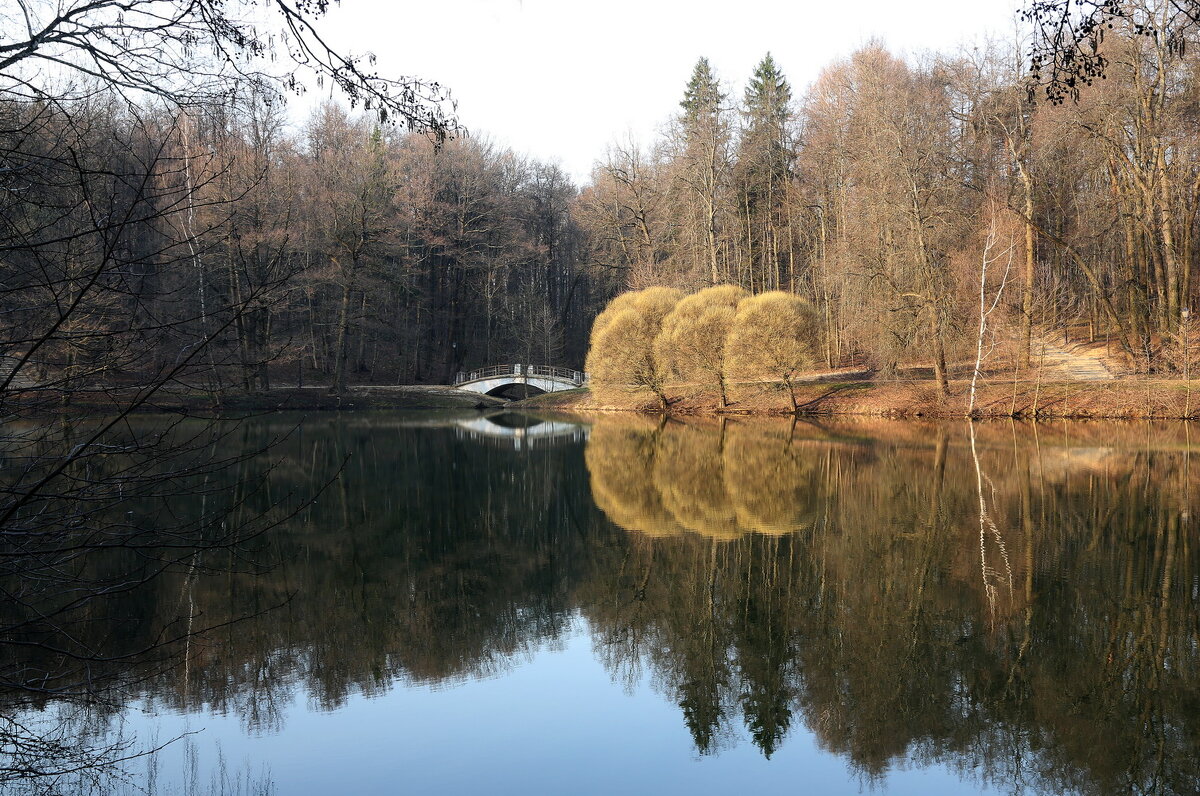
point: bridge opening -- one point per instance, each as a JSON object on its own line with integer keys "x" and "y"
{"x": 515, "y": 392}
{"x": 513, "y": 420}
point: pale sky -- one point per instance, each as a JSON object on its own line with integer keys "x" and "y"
{"x": 560, "y": 80}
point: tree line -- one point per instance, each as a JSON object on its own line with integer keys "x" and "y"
{"x": 159, "y": 230}
{"x": 879, "y": 192}
{"x": 343, "y": 251}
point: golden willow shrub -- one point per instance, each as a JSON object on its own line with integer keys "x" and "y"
{"x": 691, "y": 344}
{"x": 622, "y": 344}
{"x": 774, "y": 336}
{"x": 646, "y": 337}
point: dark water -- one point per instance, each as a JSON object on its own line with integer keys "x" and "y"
{"x": 525, "y": 607}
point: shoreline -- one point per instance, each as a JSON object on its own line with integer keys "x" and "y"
{"x": 314, "y": 399}
{"x": 1119, "y": 399}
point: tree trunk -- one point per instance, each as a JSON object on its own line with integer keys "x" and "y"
{"x": 939, "y": 354}
{"x": 342, "y": 348}
{"x": 1027, "y": 292}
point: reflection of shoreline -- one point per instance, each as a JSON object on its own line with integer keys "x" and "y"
{"x": 430, "y": 560}
{"x": 720, "y": 482}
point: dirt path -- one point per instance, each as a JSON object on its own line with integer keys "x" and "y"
{"x": 1071, "y": 361}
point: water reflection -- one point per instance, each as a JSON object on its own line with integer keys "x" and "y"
{"x": 1017, "y": 604}
{"x": 720, "y": 481}
{"x": 517, "y": 431}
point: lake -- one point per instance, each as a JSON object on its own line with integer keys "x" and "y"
{"x": 516, "y": 605}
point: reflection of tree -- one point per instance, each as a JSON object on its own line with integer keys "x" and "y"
{"x": 764, "y": 634}
{"x": 992, "y": 576}
{"x": 718, "y": 482}
{"x": 410, "y": 570}
{"x": 877, "y": 627}
{"x": 688, "y": 466}
{"x": 621, "y": 461}
{"x": 90, "y": 603}
{"x": 772, "y": 480}
{"x": 869, "y": 623}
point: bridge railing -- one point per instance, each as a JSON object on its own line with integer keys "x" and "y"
{"x": 550, "y": 371}
{"x": 556, "y": 372}
{"x": 483, "y": 373}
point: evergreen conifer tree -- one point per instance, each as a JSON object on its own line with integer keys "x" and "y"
{"x": 702, "y": 98}
{"x": 768, "y": 97}
{"x": 764, "y": 169}
{"x": 705, "y": 163}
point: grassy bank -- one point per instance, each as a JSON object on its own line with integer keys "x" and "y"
{"x": 1122, "y": 399}
{"x": 1118, "y": 399}
{"x": 298, "y": 399}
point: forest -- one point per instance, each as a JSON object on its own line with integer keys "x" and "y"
{"x": 211, "y": 242}
{"x": 893, "y": 193}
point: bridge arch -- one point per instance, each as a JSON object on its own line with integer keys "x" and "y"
{"x": 497, "y": 379}
{"x": 516, "y": 390}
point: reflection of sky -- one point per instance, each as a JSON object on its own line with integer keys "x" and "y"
{"x": 554, "y": 724}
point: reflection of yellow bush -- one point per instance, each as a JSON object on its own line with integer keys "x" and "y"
{"x": 620, "y": 461}
{"x": 770, "y": 479}
{"x": 687, "y": 473}
{"x": 718, "y": 483}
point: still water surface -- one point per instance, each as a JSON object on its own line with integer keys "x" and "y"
{"x": 513, "y": 606}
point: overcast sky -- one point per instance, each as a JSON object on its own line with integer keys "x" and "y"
{"x": 562, "y": 79}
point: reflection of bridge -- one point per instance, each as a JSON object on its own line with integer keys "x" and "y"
{"x": 518, "y": 432}
{"x": 500, "y": 378}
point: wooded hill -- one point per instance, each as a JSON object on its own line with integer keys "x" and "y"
{"x": 880, "y": 193}
{"x": 198, "y": 239}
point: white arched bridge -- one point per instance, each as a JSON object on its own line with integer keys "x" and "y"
{"x": 499, "y": 379}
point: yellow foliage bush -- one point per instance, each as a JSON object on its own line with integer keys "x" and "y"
{"x": 643, "y": 338}
{"x": 774, "y": 335}
{"x": 691, "y": 344}
{"x": 622, "y": 344}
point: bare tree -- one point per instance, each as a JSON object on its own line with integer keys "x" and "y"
{"x": 996, "y": 249}
{"x": 195, "y": 51}
{"x": 348, "y": 214}
{"x": 1068, "y": 52}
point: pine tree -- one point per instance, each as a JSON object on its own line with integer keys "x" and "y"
{"x": 705, "y": 161}
{"x": 768, "y": 97}
{"x": 702, "y": 98}
{"x": 764, "y": 168}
